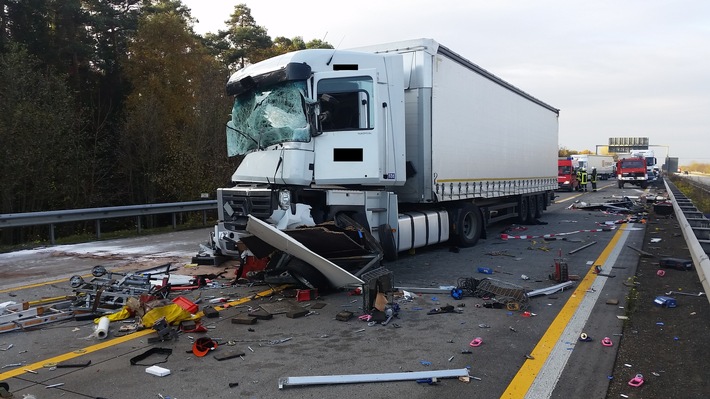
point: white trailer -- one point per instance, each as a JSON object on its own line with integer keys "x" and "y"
{"x": 603, "y": 163}
{"x": 408, "y": 142}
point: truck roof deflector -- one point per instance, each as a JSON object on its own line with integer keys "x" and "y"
{"x": 337, "y": 276}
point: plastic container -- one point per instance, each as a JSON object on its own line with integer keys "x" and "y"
{"x": 485, "y": 270}
{"x": 186, "y": 304}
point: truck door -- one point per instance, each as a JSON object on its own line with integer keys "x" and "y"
{"x": 349, "y": 149}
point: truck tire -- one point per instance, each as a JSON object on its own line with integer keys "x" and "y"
{"x": 308, "y": 275}
{"x": 469, "y": 225}
{"x": 389, "y": 246}
{"x": 539, "y": 206}
{"x": 523, "y": 210}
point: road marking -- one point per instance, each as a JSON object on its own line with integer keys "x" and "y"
{"x": 24, "y": 287}
{"x": 119, "y": 340}
{"x": 538, "y": 377}
{"x": 581, "y": 193}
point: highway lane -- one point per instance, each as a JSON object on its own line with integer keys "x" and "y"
{"x": 322, "y": 346}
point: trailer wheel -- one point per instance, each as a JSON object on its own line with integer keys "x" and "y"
{"x": 469, "y": 225}
{"x": 389, "y": 247}
{"x": 523, "y": 209}
{"x": 539, "y": 206}
{"x": 308, "y": 275}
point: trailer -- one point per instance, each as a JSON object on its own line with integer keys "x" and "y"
{"x": 365, "y": 153}
{"x": 604, "y": 164}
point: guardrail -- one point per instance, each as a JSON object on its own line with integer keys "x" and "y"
{"x": 97, "y": 214}
{"x": 691, "y": 225}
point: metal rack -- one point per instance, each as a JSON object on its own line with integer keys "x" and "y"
{"x": 511, "y": 295}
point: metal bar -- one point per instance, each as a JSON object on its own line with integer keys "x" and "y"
{"x": 582, "y": 247}
{"x": 51, "y": 234}
{"x": 98, "y": 229}
{"x": 357, "y": 378}
{"x": 174, "y": 221}
{"x": 550, "y": 290}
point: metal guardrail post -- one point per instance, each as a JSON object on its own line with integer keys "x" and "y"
{"x": 51, "y": 234}
{"x": 98, "y": 229}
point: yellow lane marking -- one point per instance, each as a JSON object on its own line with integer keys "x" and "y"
{"x": 24, "y": 287}
{"x": 119, "y": 340}
{"x": 525, "y": 377}
{"x": 583, "y": 192}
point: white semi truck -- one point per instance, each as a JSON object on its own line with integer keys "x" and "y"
{"x": 393, "y": 147}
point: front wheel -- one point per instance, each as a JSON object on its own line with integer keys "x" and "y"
{"x": 468, "y": 225}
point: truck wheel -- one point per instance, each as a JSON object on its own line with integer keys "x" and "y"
{"x": 523, "y": 212}
{"x": 389, "y": 246}
{"x": 308, "y": 275}
{"x": 539, "y": 206}
{"x": 469, "y": 225}
{"x": 532, "y": 206}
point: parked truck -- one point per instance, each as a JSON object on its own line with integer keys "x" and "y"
{"x": 566, "y": 175}
{"x": 631, "y": 170}
{"x": 603, "y": 163}
{"x": 396, "y": 146}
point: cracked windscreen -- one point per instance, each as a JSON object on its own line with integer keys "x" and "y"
{"x": 267, "y": 116}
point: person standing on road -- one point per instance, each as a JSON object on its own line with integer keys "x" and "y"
{"x": 583, "y": 179}
{"x": 593, "y": 179}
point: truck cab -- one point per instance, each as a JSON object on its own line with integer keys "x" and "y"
{"x": 566, "y": 176}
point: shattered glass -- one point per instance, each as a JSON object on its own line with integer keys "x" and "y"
{"x": 267, "y": 116}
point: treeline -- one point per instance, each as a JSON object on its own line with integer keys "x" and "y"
{"x": 117, "y": 102}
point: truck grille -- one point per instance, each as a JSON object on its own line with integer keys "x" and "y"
{"x": 243, "y": 202}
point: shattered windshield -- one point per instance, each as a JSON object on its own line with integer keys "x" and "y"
{"x": 266, "y": 116}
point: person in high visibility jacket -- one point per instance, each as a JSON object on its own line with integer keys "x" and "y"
{"x": 593, "y": 179}
{"x": 583, "y": 180}
{"x": 579, "y": 180}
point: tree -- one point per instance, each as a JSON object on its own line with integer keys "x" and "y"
{"x": 40, "y": 136}
{"x": 245, "y": 41}
{"x": 168, "y": 142}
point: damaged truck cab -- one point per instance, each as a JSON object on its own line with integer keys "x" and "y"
{"x": 405, "y": 144}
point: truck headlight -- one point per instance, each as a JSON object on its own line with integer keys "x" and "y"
{"x": 284, "y": 199}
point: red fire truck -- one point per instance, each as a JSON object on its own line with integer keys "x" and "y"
{"x": 566, "y": 176}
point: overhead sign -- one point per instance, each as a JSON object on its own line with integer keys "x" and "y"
{"x": 627, "y": 144}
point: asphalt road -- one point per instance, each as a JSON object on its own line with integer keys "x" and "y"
{"x": 536, "y": 356}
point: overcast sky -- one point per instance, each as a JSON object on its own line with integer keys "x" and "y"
{"x": 614, "y": 68}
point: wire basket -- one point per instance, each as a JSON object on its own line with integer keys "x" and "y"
{"x": 512, "y": 296}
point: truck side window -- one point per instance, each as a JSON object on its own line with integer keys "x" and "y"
{"x": 345, "y": 103}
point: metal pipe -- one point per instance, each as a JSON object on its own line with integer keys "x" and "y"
{"x": 358, "y": 378}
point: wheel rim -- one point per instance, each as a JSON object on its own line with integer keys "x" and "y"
{"x": 469, "y": 226}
